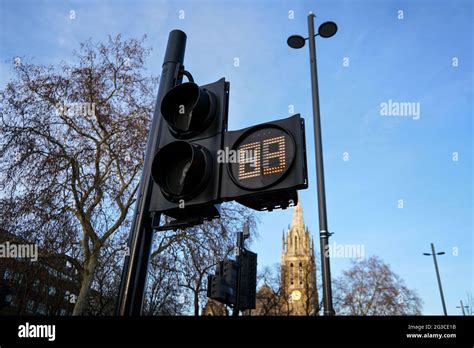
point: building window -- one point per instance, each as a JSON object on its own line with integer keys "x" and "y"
{"x": 41, "y": 309}
{"x": 300, "y": 275}
{"x": 30, "y": 306}
{"x": 291, "y": 273}
{"x": 52, "y": 291}
{"x": 36, "y": 284}
{"x": 296, "y": 243}
{"x": 9, "y": 300}
{"x": 8, "y": 274}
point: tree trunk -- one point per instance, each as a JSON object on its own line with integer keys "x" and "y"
{"x": 86, "y": 283}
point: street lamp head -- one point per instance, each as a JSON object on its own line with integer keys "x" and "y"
{"x": 440, "y": 253}
{"x": 327, "y": 29}
{"x": 296, "y": 41}
{"x": 427, "y": 254}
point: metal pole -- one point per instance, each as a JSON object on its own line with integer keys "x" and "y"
{"x": 462, "y": 307}
{"x": 133, "y": 282}
{"x": 323, "y": 228}
{"x": 439, "y": 279}
{"x": 240, "y": 243}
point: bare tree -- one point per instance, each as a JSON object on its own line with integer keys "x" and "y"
{"x": 310, "y": 290}
{"x": 71, "y": 146}
{"x": 271, "y": 295}
{"x": 370, "y": 287}
{"x": 163, "y": 295}
{"x": 104, "y": 288}
{"x": 192, "y": 254}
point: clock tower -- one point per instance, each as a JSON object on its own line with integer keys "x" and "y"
{"x": 298, "y": 268}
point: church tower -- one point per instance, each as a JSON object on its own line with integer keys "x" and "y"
{"x": 298, "y": 268}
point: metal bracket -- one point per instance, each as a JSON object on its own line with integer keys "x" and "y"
{"x": 176, "y": 224}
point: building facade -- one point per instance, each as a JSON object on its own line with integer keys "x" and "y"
{"x": 42, "y": 287}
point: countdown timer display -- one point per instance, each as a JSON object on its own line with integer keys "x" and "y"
{"x": 264, "y": 156}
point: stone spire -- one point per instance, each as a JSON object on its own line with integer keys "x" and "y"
{"x": 298, "y": 216}
{"x": 299, "y": 266}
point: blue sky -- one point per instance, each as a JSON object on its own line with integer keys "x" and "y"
{"x": 390, "y": 158}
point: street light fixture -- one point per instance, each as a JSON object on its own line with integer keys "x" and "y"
{"x": 296, "y": 41}
{"x": 433, "y": 253}
{"x": 325, "y": 30}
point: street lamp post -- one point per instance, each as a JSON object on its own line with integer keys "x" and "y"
{"x": 325, "y": 30}
{"x": 462, "y": 308}
{"x": 433, "y": 253}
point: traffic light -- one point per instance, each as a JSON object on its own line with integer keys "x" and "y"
{"x": 216, "y": 287}
{"x": 248, "y": 280}
{"x": 185, "y": 170}
{"x": 221, "y": 286}
{"x": 229, "y": 273}
{"x": 269, "y": 165}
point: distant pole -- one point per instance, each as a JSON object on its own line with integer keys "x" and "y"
{"x": 462, "y": 308}
{"x": 439, "y": 278}
{"x": 433, "y": 253}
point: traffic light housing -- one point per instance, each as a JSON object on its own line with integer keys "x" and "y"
{"x": 269, "y": 166}
{"x": 216, "y": 288}
{"x": 221, "y": 286}
{"x": 248, "y": 280}
{"x": 190, "y": 175}
{"x": 185, "y": 170}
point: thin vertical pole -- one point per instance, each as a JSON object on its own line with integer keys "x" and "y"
{"x": 323, "y": 228}
{"x": 462, "y": 308}
{"x": 133, "y": 282}
{"x": 439, "y": 278}
{"x": 240, "y": 244}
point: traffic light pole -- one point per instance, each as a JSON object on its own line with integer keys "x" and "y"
{"x": 133, "y": 281}
{"x": 240, "y": 244}
{"x": 323, "y": 226}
